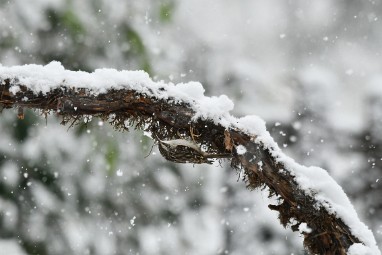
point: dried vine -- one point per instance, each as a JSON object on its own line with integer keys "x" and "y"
{"x": 168, "y": 120}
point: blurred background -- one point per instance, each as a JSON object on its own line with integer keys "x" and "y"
{"x": 311, "y": 69}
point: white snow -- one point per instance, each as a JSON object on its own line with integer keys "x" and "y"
{"x": 119, "y": 172}
{"x": 132, "y": 221}
{"x": 241, "y": 150}
{"x": 303, "y": 228}
{"x": 357, "y": 249}
{"x": 313, "y": 180}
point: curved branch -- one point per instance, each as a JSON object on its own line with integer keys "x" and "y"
{"x": 326, "y": 233}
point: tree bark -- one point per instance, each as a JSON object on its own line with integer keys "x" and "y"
{"x": 168, "y": 120}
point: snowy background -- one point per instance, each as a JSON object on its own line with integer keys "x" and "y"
{"x": 311, "y": 69}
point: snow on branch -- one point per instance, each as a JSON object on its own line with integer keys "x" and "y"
{"x": 184, "y": 122}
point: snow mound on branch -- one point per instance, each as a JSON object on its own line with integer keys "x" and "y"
{"x": 42, "y": 79}
{"x": 313, "y": 180}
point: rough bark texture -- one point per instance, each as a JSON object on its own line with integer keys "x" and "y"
{"x": 168, "y": 120}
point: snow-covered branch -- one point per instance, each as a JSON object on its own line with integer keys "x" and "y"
{"x": 310, "y": 201}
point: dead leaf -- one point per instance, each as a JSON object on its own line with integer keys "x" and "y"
{"x": 228, "y": 141}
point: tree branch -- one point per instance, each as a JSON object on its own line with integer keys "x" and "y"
{"x": 167, "y": 119}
